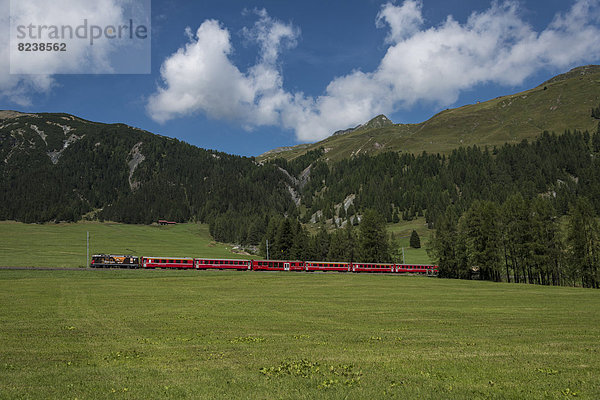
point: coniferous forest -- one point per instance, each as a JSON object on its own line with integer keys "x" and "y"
{"x": 524, "y": 212}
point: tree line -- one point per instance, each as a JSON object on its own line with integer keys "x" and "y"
{"x": 521, "y": 240}
{"x": 288, "y": 239}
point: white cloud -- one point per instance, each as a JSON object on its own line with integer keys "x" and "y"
{"x": 14, "y": 88}
{"x": 200, "y": 76}
{"x": 403, "y": 21}
{"x": 430, "y": 65}
{"x": 32, "y": 72}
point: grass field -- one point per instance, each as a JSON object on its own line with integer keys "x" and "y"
{"x": 64, "y": 245}
{"x": 187, "y": 334}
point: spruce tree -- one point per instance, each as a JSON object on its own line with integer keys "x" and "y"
{"x": 583, "y": 239}
{"x": 415, "y": 241}
{"x": 373, "y": 245}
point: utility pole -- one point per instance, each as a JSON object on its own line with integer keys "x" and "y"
{"x": 267, "y": 249}
{"x": 403, "y": 256}
{"x": 87, "y": 254}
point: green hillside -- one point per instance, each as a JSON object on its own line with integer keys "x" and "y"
{"x": 561, "y": 103}
{"x": 58, "y": 167}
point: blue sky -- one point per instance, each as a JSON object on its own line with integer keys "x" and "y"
{"x": 264, "y": 74}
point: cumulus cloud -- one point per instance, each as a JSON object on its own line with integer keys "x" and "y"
{"x": 25, "y": 74}
{"x": 14, "y": 88}
{"x": 432, "y": 65}
{"x": 201, "y": 76}
{"x": 403, "y": 21}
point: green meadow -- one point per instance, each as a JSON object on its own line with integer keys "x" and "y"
{"x": 64, "y": 245}
{"x": 123, "y": 334}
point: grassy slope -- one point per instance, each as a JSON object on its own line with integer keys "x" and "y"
{"x": 189, "y": 334}
{"x": 565, "y": 104}
{"x": 64, "y": 245}
{"x": 402, "y": 231}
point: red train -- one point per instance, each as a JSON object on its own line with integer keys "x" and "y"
{"x": 120, "y": 261}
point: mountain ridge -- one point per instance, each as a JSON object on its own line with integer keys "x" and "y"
{"x": 560, "y": 103}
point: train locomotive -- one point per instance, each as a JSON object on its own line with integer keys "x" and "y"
{"x": 125, "y": 261}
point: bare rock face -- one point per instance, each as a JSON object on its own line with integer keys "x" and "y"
{"x": 134, "y": 159}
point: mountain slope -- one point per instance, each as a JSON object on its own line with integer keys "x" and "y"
{"x": 563, "y": 102}
{"x": 60, "y": 167}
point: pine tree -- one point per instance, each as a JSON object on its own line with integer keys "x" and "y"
{"x": 319, "y": 244}
{"x": 584, "y": 243}
{"x": 596, "y": 140}
{"x": 415, "y": 241}
{"x": 300, "y": 248}
{"x": 373, "y": 245}
{"x": 481, "y": 230}
{"x": 447, "y": 248}
{"x": 284, "y": 240}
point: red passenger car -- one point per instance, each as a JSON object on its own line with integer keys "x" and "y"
{"x": 327, "y": 266}
{"x": 170, "y": 262}
{"x": 276, "y": 265}
{"x": 372, "y": 267}
{"x": 416, "y": 269}
{"x": 206, "y": 263}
